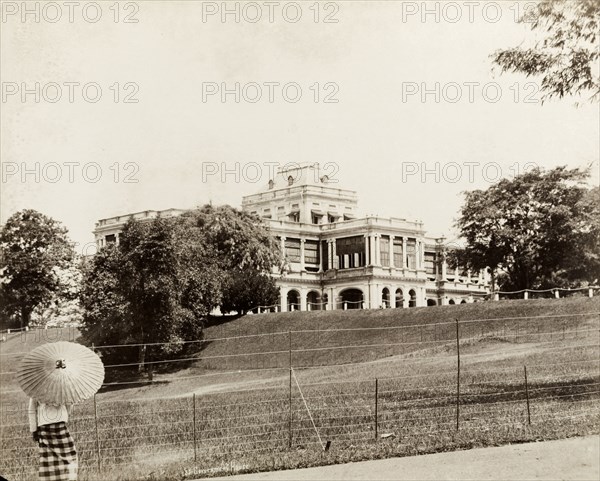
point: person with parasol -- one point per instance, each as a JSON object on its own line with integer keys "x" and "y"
{"x": 56, "y": 376}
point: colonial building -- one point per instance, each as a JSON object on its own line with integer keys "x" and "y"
{"x": 108, "y": 230}
{"x": 336, "y": 260}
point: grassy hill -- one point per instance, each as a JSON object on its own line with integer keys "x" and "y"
{"x": 254, "y": 344}
{"x": 248, "y": 408}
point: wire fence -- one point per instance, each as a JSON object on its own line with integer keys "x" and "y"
{"x": 305, "y": 390}
{"x": 551, "y": 293}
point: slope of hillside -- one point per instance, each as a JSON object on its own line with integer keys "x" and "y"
{"x": 529, "y": 370}
{"x": 254, "y": 350}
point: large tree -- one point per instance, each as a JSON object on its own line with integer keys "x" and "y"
{"x": 166, "y": 276}
{"x": 34, "y": 250}
{"x": 246, "y": 252}
{"x": 565, "y": 54}
{"x": 157, "y": 286}
{"x": 536, "y": 230}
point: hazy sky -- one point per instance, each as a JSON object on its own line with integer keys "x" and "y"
{"x": 407, "y": 154}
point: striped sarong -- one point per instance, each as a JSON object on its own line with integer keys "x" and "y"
{"x": 58, "y": 458}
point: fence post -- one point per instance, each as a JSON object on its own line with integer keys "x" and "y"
{"x": 457, "y": 375}
{"x": 527, "y": 396}
{"x": 97, "y": 436}
{"x": 194, "y": 426}
{"x": 290, "y": 392}
{"x": 376, "y": 402}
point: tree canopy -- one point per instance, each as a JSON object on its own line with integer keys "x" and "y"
{"x": 248, "y": 290}
{"x": 566, "y": 53}
{"x": 537, "y": 230}
{"x": 34, "y": 251}
{"x": 165, "y": 277}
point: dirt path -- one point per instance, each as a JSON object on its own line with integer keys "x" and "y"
{"x": 568, "y": 459}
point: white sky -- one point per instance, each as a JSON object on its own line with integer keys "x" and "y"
{"x": 375, "y": 52}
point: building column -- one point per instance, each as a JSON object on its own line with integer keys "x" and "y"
{"x": 421, "y": 297}
{"x": 374, "y": 296}
{"x": 283, "y": 300}
{"x": 283, "y": 246}
{"x": 329, "y": 255}
{"x": 320, "y": 253}
{"x": 334, "y": 255}
{"x": 391, "y": 249}
{"x": 366, "y": 250}
{"x": 417, "y": 255}
{"x": 371, "y": 250}
{"x": 444, "y": 268}
{"x": 117, "y": 238}
{"x": 378, "y": 249}
{"x": 303, "y": 303}
{"x": 302, "y": 241}
{"x": 331, "y": 299}
{"x": 404, "y": 253}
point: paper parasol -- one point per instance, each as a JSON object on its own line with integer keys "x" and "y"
{"x": 61, "y": 373}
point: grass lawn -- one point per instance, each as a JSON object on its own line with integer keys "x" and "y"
{"x": 238, "y": 391}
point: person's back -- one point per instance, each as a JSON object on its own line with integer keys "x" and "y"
{"x": 48, "y": 425}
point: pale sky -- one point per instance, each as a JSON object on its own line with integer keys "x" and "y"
{"x": 376, "y": 139}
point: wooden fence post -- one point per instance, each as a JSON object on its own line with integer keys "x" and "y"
{"x": 457, "y": 376}
{"x": 290, "y": 391}
{"x": 527, "y": 396}
{"x": 97, "y": 435}
{"x": 376, "y": 406}
{"x": 194, "y": 426}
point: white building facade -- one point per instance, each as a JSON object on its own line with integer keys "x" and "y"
{"x": 336, "y": 260}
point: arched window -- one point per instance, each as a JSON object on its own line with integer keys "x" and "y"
{"x": 412, "y": 302}
{"x": 385, "y": 298}
{"x": 293, "y": 300}
{"x": 271, "y": 184}
{"x": 399, "y": 298}
{"x": 351, "y": 298}
{"x": 290, "y": 180}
